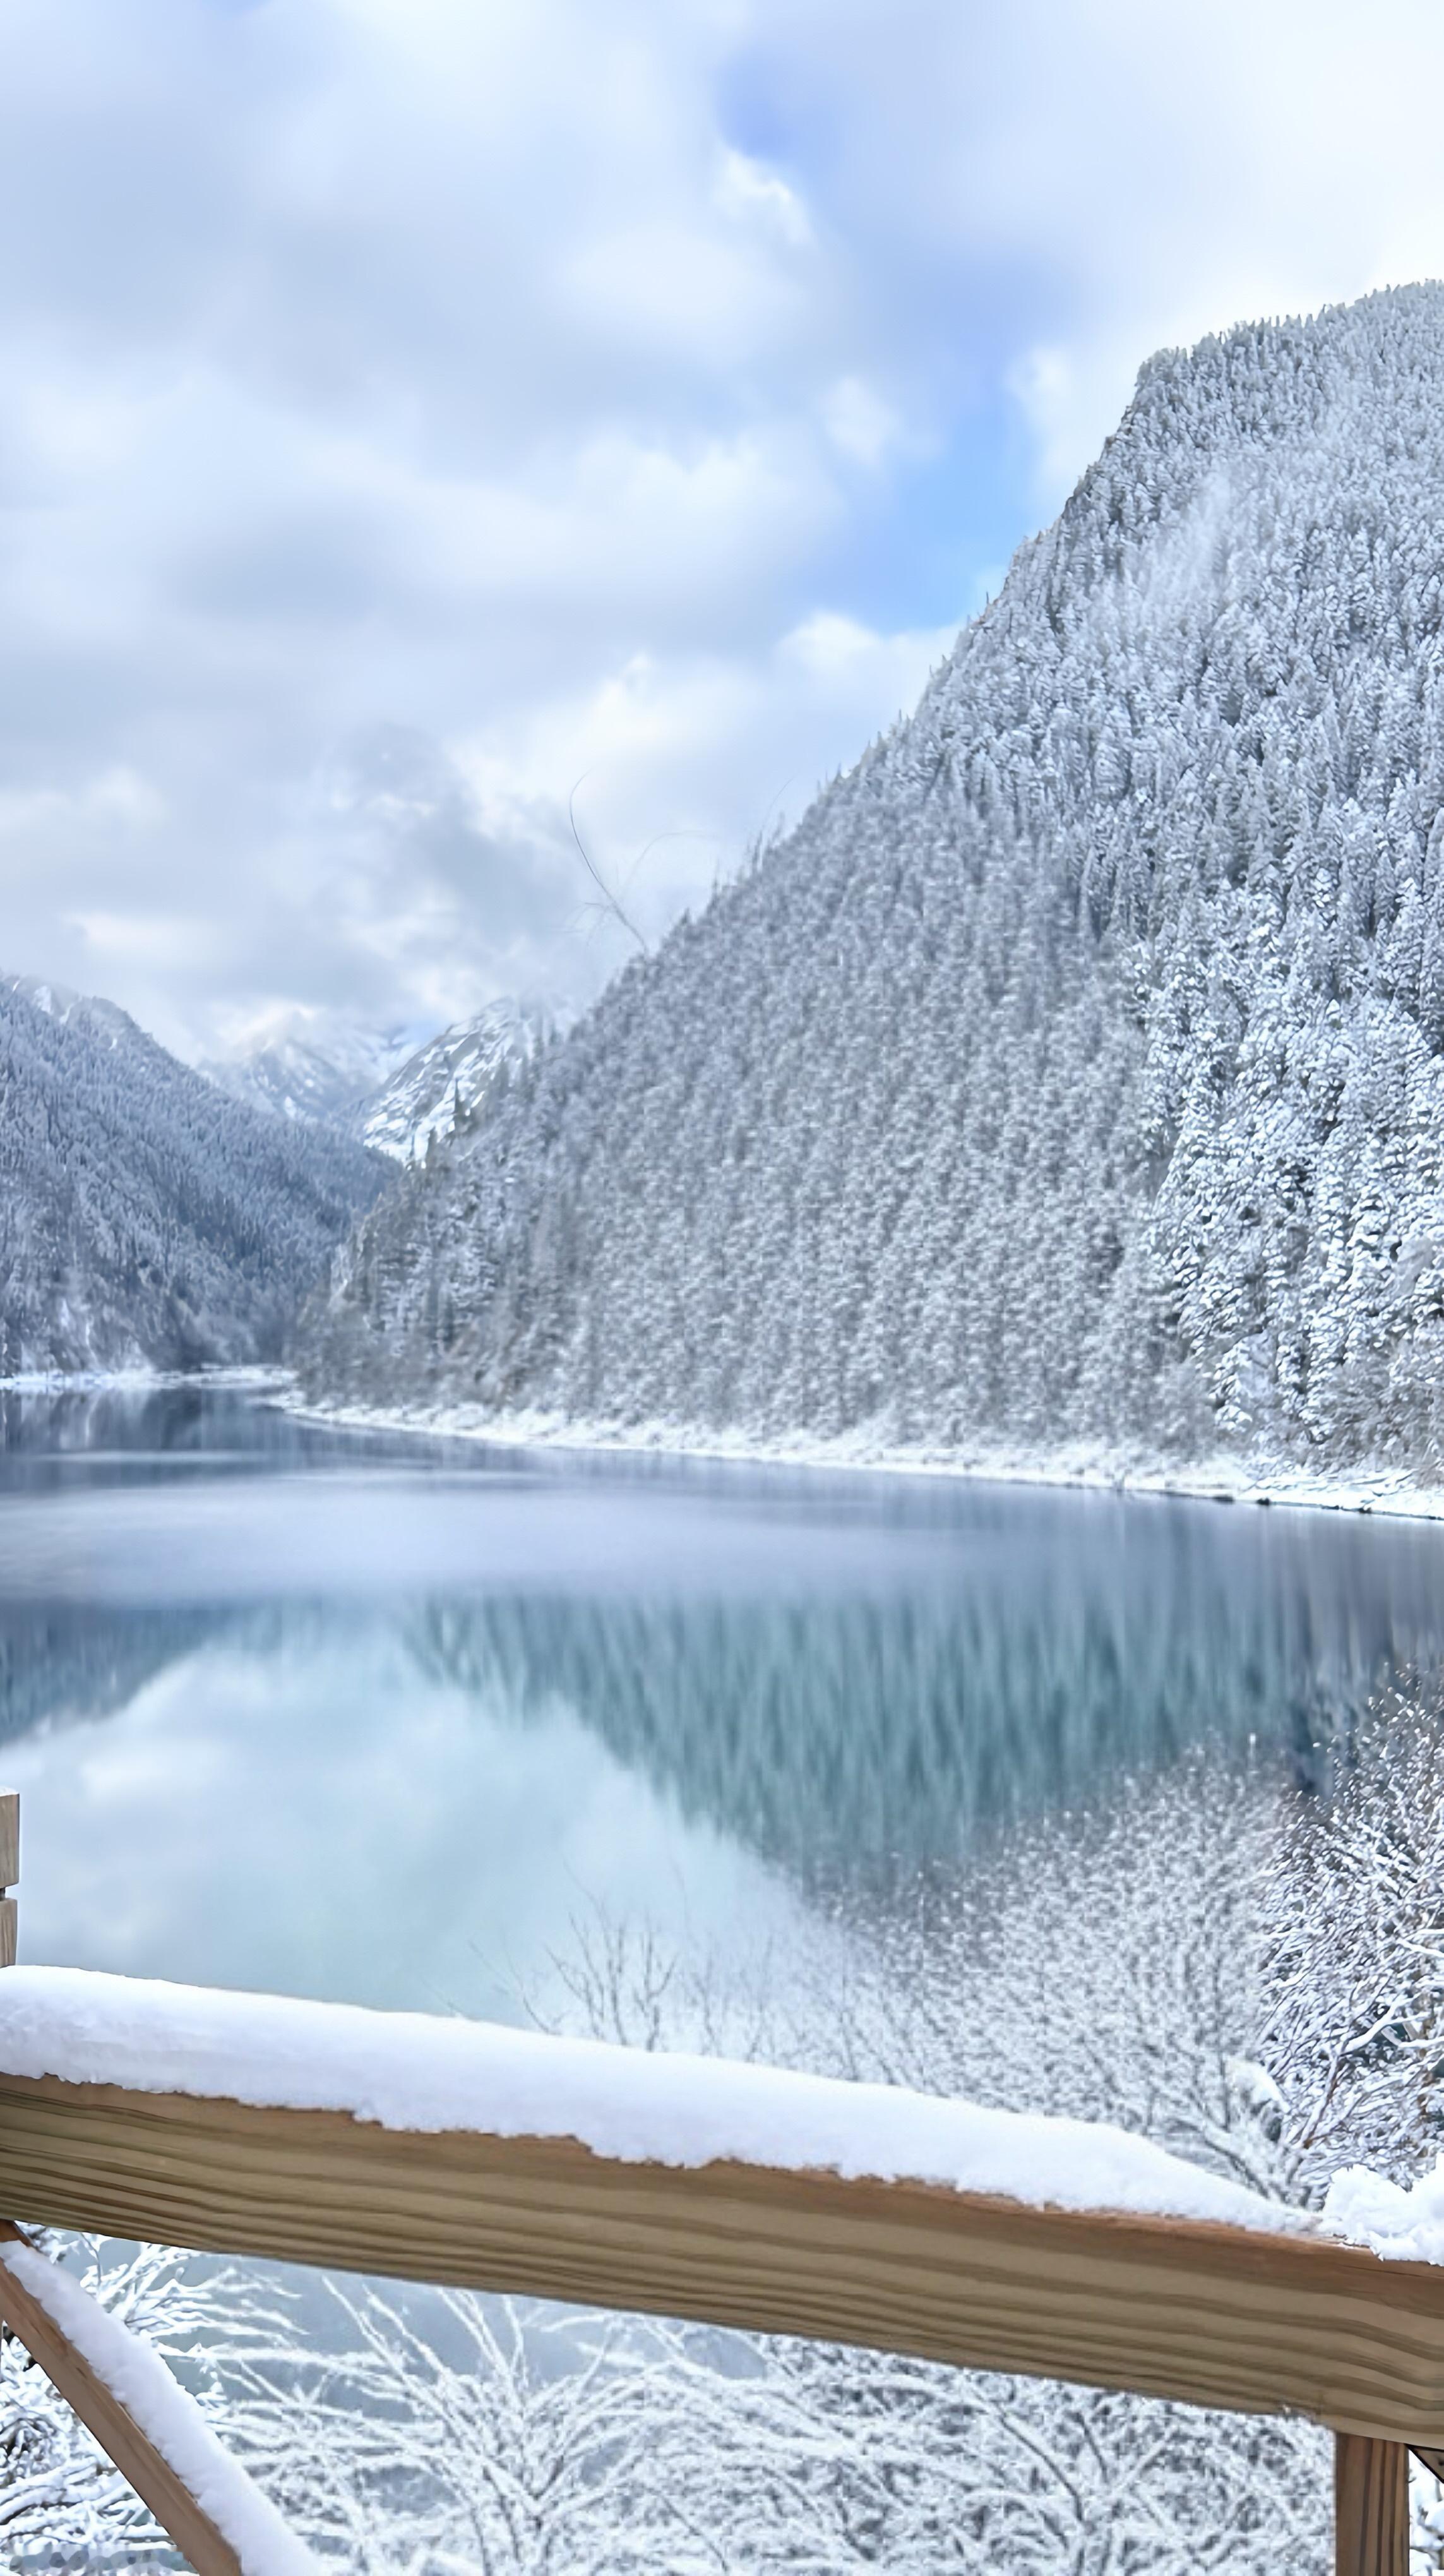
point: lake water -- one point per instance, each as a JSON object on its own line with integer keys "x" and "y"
{"x": 381, "y": 1718}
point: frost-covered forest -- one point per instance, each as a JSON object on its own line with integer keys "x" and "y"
{"x": 144, "y": 1218}
{"x": 1073, "y": 1071}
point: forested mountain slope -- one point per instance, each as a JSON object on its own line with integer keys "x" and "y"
{"x": 145, "y": 1219}
{"x": 451, "y": 1074}
{"x": 1074, "y": 1069}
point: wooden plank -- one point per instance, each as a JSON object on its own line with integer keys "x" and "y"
{"x": 1213, "y": 2315}
{"x": 9, "y": 1838}
{"x": 120, "y": 2437}
{"x": 1371, "y": 2507}
{"x": 9, "y": 1931}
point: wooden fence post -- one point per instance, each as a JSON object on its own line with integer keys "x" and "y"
{"x": 9, "y": 1873}
{"x": 1371, "y": 2507}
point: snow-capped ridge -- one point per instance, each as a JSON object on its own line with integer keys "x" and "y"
{"x": 1074, "y": 1072}
{"x": 452, "y": 1072}
{"x": 311, "y": 1066}
{"x": 146, "y": 1221}
{"x": 380, "y": 1087}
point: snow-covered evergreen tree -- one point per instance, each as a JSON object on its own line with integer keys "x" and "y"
{"x": 144, "y": 1217}
{"x": 1076, "y": 1068}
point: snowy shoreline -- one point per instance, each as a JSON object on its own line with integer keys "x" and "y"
{"x": 1077, "y": 1467}
{"x": 1220, "y": 1480}
{"x": 145, "y": 1381}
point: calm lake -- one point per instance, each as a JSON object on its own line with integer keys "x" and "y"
{"x": 381, "y": 1718}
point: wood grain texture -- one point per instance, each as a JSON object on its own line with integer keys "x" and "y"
{"x": 9, "y": 1931}
{"x": 1208, "y": 2314}
{"x": 9, "y": 1838}
{"x": 114, "y": 2427}
{"x": 1371, "y": 2507}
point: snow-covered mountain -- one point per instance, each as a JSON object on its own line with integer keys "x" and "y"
{"x": 145, "y": 1219}
{"x": 452, "y": 1072}
{"x": 378, "y": 1087}
{"x": 1075, "y": 1070}
{"x": 315, "y": 1066}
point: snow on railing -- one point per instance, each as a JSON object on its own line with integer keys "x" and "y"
{"x": 452, "y": 2151}
{"x": 420, "y": 2073}
{"x": 145, "y": 2421}
{"x": 121, "y": 2389}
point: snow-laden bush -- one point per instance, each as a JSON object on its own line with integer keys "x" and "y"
{"x": 1114, "y": 1970}
{"x": 491, "y": 2435}
{"x": 1248, "y": 1976}
{"x": 1354, "y": 1932}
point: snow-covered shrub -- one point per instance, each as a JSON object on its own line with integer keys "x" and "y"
{"x": 1247, "y": 1975}
{"x": 1111, "y": 1969}
{"x": 1354, "y": 1930}
{"x": 495, "y": 2436}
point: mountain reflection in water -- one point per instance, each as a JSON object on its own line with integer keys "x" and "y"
{"x": 373, "y": 1718}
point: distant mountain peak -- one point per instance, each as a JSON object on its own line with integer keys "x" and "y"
{"x": 455, "y": 1069}
{"x": 380, "y": 1087}
{"x": 310, "y": 1065}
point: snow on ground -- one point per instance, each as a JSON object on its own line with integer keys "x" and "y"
{"x": 1222, "y": 1479}
{"x": 145, "y": 1381}
{"x": 168, "y": 2415}
{"x": 419, "y": 2072}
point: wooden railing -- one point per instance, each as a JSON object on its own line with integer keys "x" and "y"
{"x": 1214, "y": 2315}
{"x": 174, "y": 2477}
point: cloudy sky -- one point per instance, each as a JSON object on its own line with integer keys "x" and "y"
{"x": 416, "y": 414}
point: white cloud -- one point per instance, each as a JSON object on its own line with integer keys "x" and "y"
{"x": 116, "y": 801}
{"x": 752, "y": 193}
{"x": 859, "y": 422}
{"x": 408, "y": 409}
{"x": 121, "y": 944}
{"x": 679, "y": 765}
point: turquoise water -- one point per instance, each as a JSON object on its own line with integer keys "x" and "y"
{"x": 383, "y": 1719}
